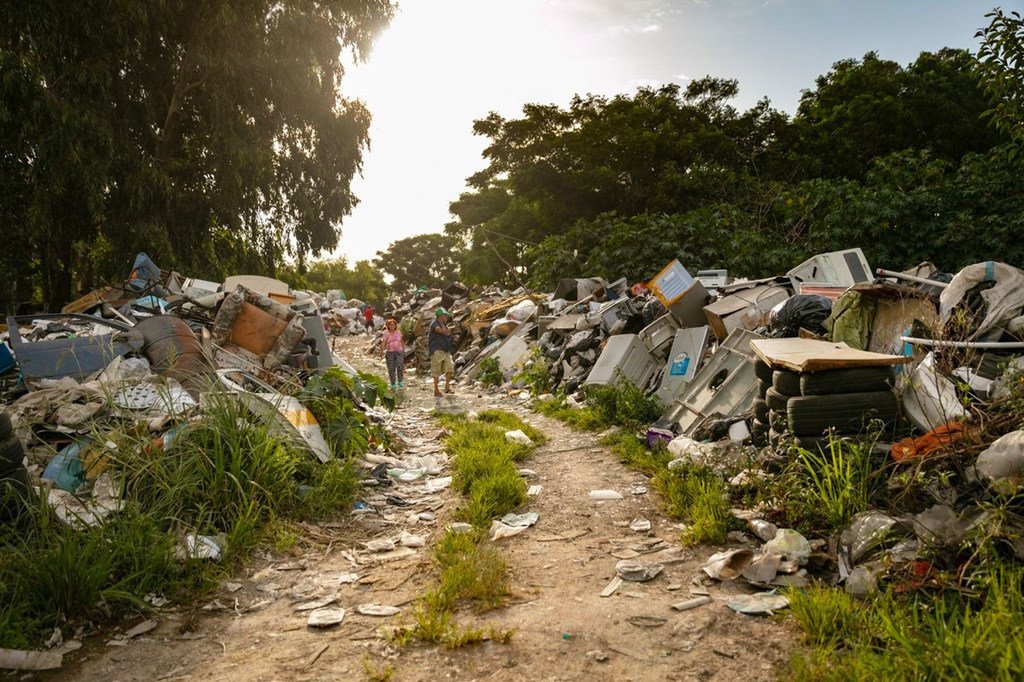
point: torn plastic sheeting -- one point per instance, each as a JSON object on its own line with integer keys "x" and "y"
{"x": 929, "y": 398}
{"x": 1002, "y": 463}
{"x": 761, "y": 603}
{"x": 1003, "y": 301}
{"x": 867, "y": 532}
{"x": 789, "y": 544}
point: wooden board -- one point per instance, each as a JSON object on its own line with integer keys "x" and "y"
{"x": 808, "y": 355}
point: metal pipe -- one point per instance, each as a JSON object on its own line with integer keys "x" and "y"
{"x": 980, "y": 345}
{"x": 910, "y": 278}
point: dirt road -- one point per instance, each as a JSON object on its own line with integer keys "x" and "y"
{"x": 564, "y": 629}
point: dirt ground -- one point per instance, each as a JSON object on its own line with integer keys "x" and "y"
{"x": 563, "y": 628}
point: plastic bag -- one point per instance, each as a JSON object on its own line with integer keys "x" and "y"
{"x": 803, "y": 311}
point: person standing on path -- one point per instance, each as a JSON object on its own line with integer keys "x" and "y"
{"x": 439, "y": 345}
{"x": 394, "y": 353}
{"x": 368, "y": 318}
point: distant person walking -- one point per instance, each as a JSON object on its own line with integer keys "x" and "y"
{"x": 394, "y": 354}
{"x": 368, "y": 317}
{"x": 439, "y": 345}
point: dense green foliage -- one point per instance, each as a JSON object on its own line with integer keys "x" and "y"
{"x": 225, "y": 476}
{"x": 210, "y": 134}
{"x": 899, "y": 160}
{"x": 426, "y": 260}
{"x": 363, "y": 281}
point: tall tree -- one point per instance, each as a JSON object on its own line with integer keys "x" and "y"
{"x": 1001, "y": 56}
{"x": 193, "y": 129}
{"x": 430, "y": 260}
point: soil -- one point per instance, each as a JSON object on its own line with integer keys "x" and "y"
{"x": 563, "y": 628}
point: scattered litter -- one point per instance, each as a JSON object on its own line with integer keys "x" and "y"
{"x": 316, "y": 603}
{"x": 646, "y": 621}
{"x": 729, "y": 564}
{"x": 638, "y": 489}
{"x": 761, "y": 603}
{"x": 640, "y": 525}
{"x": 200, "y": 547}
{"x": 407, "y": 475}
{"x": 325, "y": 617}
{"x": 407, "y": 539}
{"x": 763, "y": 529}
{"x": 140, "y": 629}
{"x": 636, "y": 571}
{"x": 435, "y": 485}
{"x": 611, "y": 587}
{"x": 691, "y": 603}
{"x": 605, "y": 495}
{"x": 380, "y": 545}
{"x": 534, "y": 490}
{"x": 19, "y": 659}
{"x": 517, "y": 436}
{"x": 377, "y": 610}
{"x": 460, "y": 527}
{"x": 789, "y": 544}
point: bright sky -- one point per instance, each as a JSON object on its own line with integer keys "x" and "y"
{"x": 444, "y": 63}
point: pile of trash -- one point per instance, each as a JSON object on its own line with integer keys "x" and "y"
{"x": 925, "y": 363}
{"x": 144, "y": 356}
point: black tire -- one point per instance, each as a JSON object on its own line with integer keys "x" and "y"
{"x": 777, "y": 420}
{"x": 853, "y": 380}
{"x": 6, "y": 428}
{"x": 845, "y": 413}
{"x": 760, "y": 410}
{"x": 762, "y": 388}
{"x": 776, "y": 401}
{"x": 786, "y": 382}
{"x": 763, "y": 370}
{"x": 814, "y": 444}
{"x": 758, "y": 433}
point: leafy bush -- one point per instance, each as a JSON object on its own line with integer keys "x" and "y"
{"x": 490, "y": 373}
{"x": 535, "y": 373}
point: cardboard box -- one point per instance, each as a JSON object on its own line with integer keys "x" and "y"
{"x": 745, "y": 309}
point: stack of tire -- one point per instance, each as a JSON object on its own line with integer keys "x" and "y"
{"x": 807, "y": 405}
{"x": 13, "y": 477}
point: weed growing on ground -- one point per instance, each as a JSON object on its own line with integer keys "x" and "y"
{"x": 228, "y": 474}
{"x": 583, "y": 419}
{"x": 470, "y": 571}
{"x": 484, "y": 464}
{"x": 534, "y": 372}
{"x": 375, "y": 674}
{"x": 490, "y": 373}
{"x": 700, "y": 498}
{"x": 921, "y": 638}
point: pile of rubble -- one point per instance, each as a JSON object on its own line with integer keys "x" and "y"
{"x": 924, "y": 363}
{"x": 144, "y": 355}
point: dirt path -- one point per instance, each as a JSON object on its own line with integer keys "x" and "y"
{"x": 563, "y": 628}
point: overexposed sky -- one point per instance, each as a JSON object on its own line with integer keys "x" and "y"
{"x": 443, "y": 63}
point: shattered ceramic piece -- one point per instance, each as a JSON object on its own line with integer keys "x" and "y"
{"x": 325, "y": 617}
{"x": 636, "y": 571}
{"x": 729, "y": 564}
{"x": 605, "y": 495}
{"x": 763, "y": 568}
